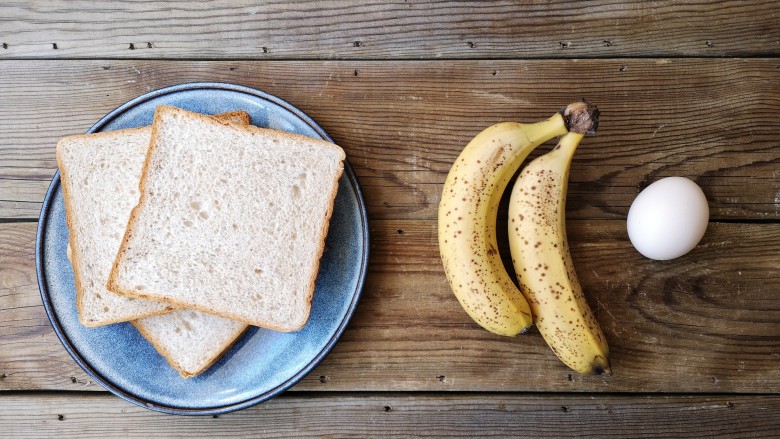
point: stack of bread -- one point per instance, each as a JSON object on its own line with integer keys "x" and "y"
{"x": 197, "y": 227}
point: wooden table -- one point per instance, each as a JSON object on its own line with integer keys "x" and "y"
{"x": 684, "y": 89}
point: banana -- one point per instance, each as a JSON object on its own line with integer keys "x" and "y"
{"x": 540, "y": 255}
{"x": 467, "y": 219}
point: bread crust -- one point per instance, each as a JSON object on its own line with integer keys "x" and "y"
{"x": 114, "y": 286}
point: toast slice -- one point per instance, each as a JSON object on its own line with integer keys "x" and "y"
{"x": 232, "y": 220}
{"x": 100, "y": 174}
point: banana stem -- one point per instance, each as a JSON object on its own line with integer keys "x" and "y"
{"x": 581, "y": 117}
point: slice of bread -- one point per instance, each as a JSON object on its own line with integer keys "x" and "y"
{"x": 100, "y": 175}
{"x": 190, "y": 341}
{"x": 232, "y": 221}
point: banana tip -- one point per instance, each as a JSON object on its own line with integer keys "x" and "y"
{"x": 601, "y": 367}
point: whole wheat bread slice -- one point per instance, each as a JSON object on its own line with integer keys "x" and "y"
{"x": 100, "y": 174}
{"x": 232, "y": 221}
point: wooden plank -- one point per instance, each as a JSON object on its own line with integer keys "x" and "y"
{"x": 707, "y": 322}
{"x": 401, "y": 29}
{"x": 25, "y": 333}
{"x": 403, "y": 123}
{"x": 45, "y": 415}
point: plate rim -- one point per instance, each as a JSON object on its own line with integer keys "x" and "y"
{"x": 221, "y": 409}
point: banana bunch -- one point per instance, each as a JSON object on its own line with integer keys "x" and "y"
{"x": 549, "y": 293}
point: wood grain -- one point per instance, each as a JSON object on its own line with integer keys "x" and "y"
{"x": 395, "y": 415}
{"x": 25, "y": 331}
{"x": 380, "y": 30}
{"x": 707, "y": 322}
{"x": 403, "y": 123}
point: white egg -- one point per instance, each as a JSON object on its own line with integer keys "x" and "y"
{"x": 668, "y": 218}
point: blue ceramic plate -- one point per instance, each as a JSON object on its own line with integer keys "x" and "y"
{"x": 262, "y": 363}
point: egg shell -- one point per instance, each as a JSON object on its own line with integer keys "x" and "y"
{"x": 668, "y": 218}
